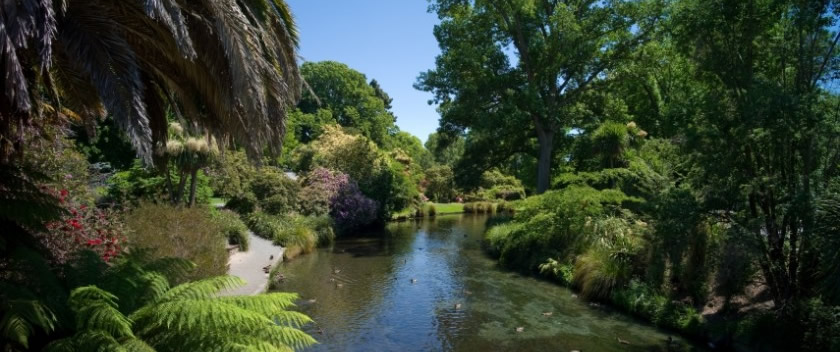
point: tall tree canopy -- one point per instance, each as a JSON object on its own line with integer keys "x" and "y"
{"x": 525, "y": 63}
{"x": 354, "y": 102}
{"x": 137, "y": 59}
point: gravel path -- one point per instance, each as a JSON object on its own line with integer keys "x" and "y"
{"x": 249, "y": 265}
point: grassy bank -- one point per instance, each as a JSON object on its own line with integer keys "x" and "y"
{"x": 428, "y": 210}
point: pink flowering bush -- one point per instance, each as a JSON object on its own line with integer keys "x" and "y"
{"x": 335, "y": 193}
{"x": 83, "y": 227}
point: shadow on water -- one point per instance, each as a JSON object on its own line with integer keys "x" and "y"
{"x": 427, "y": 285}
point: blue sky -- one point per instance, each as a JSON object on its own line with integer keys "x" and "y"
{"x": 388, "y": 40}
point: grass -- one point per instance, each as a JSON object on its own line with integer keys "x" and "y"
{"x": 439, "y": 209}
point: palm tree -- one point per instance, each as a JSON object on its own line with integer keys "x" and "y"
{"x": 226, "y": 66}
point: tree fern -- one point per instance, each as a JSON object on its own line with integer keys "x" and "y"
{"x": 138, "y": 310}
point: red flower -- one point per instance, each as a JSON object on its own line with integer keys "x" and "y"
{"x": 64, "y": 193}
{"x": 94, "y": 242}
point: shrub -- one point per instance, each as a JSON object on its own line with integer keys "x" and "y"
{"x": 83, "y": 227}
{"x": 243, "y": 203}
{"x": 232, "y": 227}
{"x": 647, "y": 303}
{"x": 323, "y": 227}
{"x": 440, "y": 183}
{"x": 556, "y": 224}
{"x": 263, "y": 225}
{"x": 469, "y": 208}
{"x": 189, "y": 233}
{"x": 231, "y": 174}
{"x": 275, "y": 192}
{"x": 279, "y": 204}
{"x": 563, "y": 273}
{"x": 351, "y": 209}
{"x": 431, "y": 210}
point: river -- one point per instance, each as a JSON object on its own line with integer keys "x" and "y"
{"x": 429, "y": 286}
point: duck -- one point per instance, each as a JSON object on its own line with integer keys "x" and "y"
{"x": 622, "y": 341}
{"x": 413, "y": 280}
{"x": 311, "y": 300}
{"x": 339, "y": 285}
{"x": 547, "y": 314}
{"x": 520, "y": 329}
{"x": 457, "y": 306}
{"x": 467, "y": 292}
{"x": 271, "y": 257}
{"x": 336, "y": 271}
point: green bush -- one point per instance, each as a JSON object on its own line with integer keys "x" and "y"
{"x": 563, "y": 273}
{"x": 243, "y": 203}
{"x": 188, "y": 233}
{"x": 556, "y": 224}
{"x": 232, "y": 227}
{"x": 276, "y": 193}
{"x": 140, "y": 183}
{"x": 469, "y": 208}
{"x": 297, "y": 233}
{"x": 323, "y": 227}
{"x": 431, "y": 211}
{"x": 279, "y": 204}
{"x": 647, "y": 303}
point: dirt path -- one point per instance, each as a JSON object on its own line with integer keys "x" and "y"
{"x": 249, "y": 265}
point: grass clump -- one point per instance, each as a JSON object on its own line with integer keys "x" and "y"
{"x": 232, "y": 227}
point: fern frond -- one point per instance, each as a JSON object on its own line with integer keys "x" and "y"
{"x": 136, "y": 345}
{"x": 272, "y": 305}
{"x": 96, "y": 310}
{"x": 202, "y": 289}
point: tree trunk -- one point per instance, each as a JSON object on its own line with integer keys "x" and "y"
{"x": 182, "y": 183}
{"x": 192, "y": 186}
{"x": 169, "y": 188}
{"x": 546, "y": 141}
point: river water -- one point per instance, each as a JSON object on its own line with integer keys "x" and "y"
{"x": 429, "y": 286}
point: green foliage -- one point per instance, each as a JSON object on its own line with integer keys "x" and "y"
{"x": 354, "y": 102}
{"x": 232, "y": 227}
{"x": 243, "y": 203}
{"x": 444, "y": 149}
{"x": 647, "y": 303}
{"x": 557, "y": 225}
{"x": 188, "y": 233}
{"x": 440, "y": 183}
{"x": 608, "y": 264}
{"x": 297, "y": 232}
{"x": 108, "y": 144}
{"x": 231, "y": 174}
{"x": 276, "y": 193}
{"x": 139, "y": 183}
{"x": 563, "y": 273}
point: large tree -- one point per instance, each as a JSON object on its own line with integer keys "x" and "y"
{"x": 764, "y": 146}
{"x": 526, "y": 61}
{"x": 353, "y": 101}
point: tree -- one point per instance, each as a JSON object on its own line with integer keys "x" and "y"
{"x": 140, "y": 59}
{"x": 560, "y": 49}
{"x": 440, "y": 183}
{"x": 447, "y": 151}
{"x": 761, "y": 145}
{"x": 354, "y": 103}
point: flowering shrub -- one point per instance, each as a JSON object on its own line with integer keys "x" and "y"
{"x": 336, "y": 194}
{"x": 83, "y": 227}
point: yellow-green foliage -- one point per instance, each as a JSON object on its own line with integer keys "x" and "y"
{"x": 298, "y": 233}
{"x": 189, "y": 233}
{"x": 556, "y": 224}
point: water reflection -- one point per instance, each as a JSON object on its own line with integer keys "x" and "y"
{"x": 422, "y": 286}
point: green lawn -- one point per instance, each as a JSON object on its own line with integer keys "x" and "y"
{"x": 449, "y": 208}
{"x": 440, "y": 209}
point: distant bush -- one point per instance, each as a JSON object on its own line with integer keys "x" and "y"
{"x": 243, "y": 203}
{"x": 563, "y": 273}
{"x": 323, "y": 227}
{"x": 232, "y": 227}
{"x": 276, "y": 193}
{"x": 189, "y": 233}
{"x": 296, "y": 233}
{"x": 231, "y": 174}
